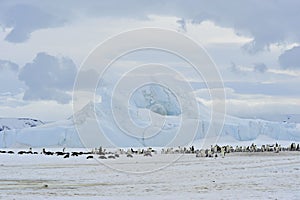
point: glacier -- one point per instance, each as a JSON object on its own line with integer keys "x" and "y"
{"x": 147, "y": 102}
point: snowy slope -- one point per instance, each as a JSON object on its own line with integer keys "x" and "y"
{"x": 56, "y": 134}
{"x": 18, "y": 123}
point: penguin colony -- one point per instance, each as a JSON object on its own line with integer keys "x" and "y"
{"x": 212, "y": 152}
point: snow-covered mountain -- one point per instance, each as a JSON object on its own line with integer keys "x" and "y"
{"x": 18, "y": 123}
{"x": 149, "y": 105}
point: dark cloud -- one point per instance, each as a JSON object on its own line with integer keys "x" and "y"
{"x": 182, "y": 24}
{"x": 8, "y": 65}
{"x": 24, "y": 19}
{"x": 10, "y": 84}
{"x": 290, "y": 59}
{"x": 260, "y": 67}
{"x": 48, "y": 78}
{"x": 268, "y": 22}
{"x": 235, "y": 69}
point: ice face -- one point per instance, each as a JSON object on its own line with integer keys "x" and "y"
{"x": 156, "y": 98}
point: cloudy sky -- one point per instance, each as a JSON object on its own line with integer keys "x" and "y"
{"x": 255, "y": 45}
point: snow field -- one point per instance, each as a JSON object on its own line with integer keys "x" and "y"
{"x": 239, "y": 175}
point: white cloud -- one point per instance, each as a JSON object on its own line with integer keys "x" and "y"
{"x": 44, "y": 110}
{"x": 257, "y": 106}
{"x": 209, "y": 33}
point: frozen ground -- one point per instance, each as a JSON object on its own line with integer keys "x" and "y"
{"x": 238, "y": 175}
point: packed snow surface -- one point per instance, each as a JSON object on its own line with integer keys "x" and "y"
{"x": 237, "y": 176}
